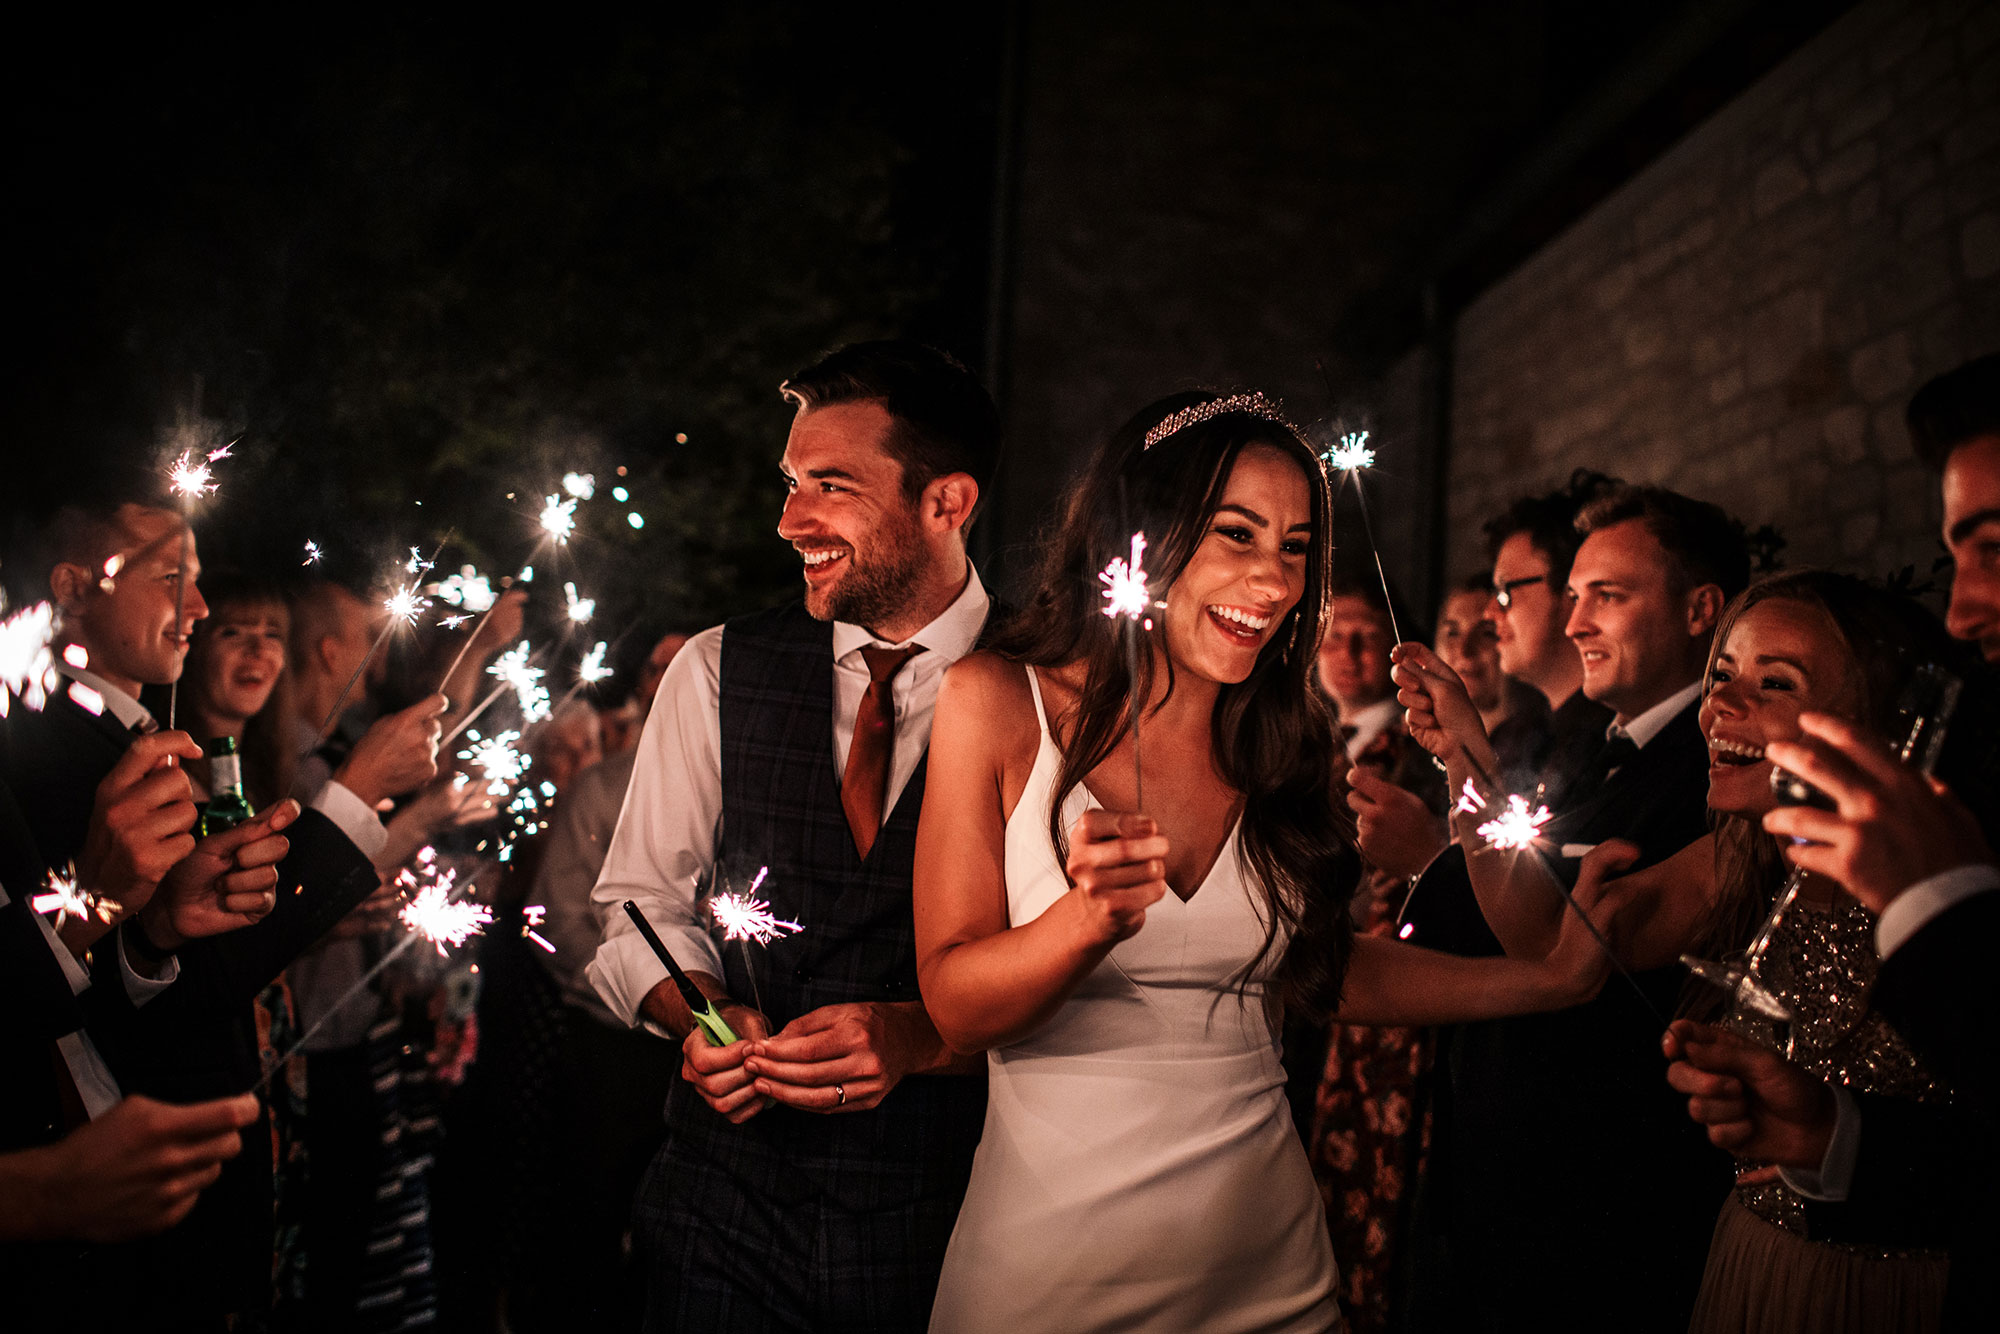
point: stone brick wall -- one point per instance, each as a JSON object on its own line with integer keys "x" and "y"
{"x": 1745, "y": 320}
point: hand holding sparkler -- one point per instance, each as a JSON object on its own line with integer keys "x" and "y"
{"x": 397, "y": 754}
{"x": 1438, "y": 711}
{"x": 1118, "y": 864}
{"x": 138, "y": 830}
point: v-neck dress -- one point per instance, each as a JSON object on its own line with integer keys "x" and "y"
{"x": 1138, "y": 1169}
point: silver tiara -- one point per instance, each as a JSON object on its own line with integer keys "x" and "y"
{"x": 1255, "y": 404}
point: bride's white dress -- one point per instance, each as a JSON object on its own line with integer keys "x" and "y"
{"x": 1139, "y": 1170}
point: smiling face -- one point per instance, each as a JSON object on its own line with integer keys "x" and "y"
{"x": 243, "y": 654}
{"x": 123, "y": 613}
{"x": 847, "y": 514}
{"x": 1354, "y": 654}
{"x": 1465, "y": 640}
{"x": 1247, "y": 572}
{"x": 1640, "y": 636}
{"x": 1972, "y": 536}
{"x": 1779, "y": 659}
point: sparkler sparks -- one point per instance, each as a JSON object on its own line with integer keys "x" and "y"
{"x": 1515, "y": 828}
{"x": 580, "y": 609}
{"x": 27, "y": 667}
{"x": 190, "y": 477}
{"x": 66, "y": 900}
{"x": 747, "y": 917}
{"x": 497, "y": 758}
{"x": 1125, "y": 583}
{"x": 513, "y": 670}
{"x": 417, "y": 564}
{"x": 559, "y": 518}
{"x": 1351, "y": 452}
{"x": 453, "y": 622}
{"x": 1469, "y": 801}
{"x": 582, "y": 485}
{"x": 531, "y": 917}
{"x": 313, "y": 554}
{"x": 468, "y": 589}
{"x": 591, "y": 669}
{"x": 431, "y": 911}
{"x": 405, "y": 604}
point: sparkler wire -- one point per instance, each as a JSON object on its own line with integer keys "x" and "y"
{"x": 360, "y": 984}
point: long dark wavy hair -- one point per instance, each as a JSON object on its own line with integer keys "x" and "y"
{"x": 1888, "y": 635}
{"x": 1273, "y": 733}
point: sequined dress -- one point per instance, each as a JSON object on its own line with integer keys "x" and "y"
{"x": 1765, "y": 1274}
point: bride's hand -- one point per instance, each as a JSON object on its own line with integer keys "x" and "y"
{"x": 1118, "y": 863}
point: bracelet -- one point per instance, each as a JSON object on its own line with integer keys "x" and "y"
{"x": 143, "y": 946}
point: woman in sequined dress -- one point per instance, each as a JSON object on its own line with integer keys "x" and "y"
{"x": 1793, "y": 642}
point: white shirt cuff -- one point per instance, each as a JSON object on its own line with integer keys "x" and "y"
{"x": 137, "y": 985}
{"x": 1913, "y": 909}
{"x": 1834, "y": 1177}
{"x": 353, "y": 818}
{"x": 626, "y": 970}
{"x": 79, "y": 980}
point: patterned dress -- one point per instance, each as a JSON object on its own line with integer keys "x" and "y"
{"x": 1765, "y": 1275}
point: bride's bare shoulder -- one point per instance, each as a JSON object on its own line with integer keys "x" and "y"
{"x": 987, "y": 696}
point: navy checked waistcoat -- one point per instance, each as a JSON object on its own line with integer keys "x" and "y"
{"x": 781, "y": 809}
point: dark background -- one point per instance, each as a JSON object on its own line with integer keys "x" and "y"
{"x": 423, "y": 269}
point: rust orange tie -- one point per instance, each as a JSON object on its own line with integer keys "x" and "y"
{"x": 865, "y": 783}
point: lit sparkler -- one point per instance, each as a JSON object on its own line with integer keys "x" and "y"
{"x": 513, "y": 670}
{"x": 591, "y": 669}
{"x": 468, "y": 589}
{"x": 453, "y": 622}
{"x": 1469, "y": 801}
{"x": 746, "y": 917}
{"x": 406, "y": 604}
{"x": 499, "y": 760}
{"x": 27, "y": 667}
{"x": 65, "y": 900}
{"x": 580, "y": 609}
{"x": 532, "y": 917}
{"x": 190, "y": 477}
{"x": 559, "y": 518}
{"x": 1125, "y": 583}
{"x": 1349, "y": 456}
{"x": 417, "y": 564}
{"x": 1515, "y": 828}
{"x": 313, "y": 554}
{"x": 437, "y": 917}
{"x": 1351, "y": 452}
{"x": 1126, "y": 597}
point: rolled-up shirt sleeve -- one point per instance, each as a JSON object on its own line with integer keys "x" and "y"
{"x": 665, "y": 842}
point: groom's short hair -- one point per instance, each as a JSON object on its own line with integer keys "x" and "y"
{"x": 945, "y": 421}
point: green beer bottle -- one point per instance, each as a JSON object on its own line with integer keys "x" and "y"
{"x": 227, "y": 806}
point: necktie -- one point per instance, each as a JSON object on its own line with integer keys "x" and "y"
{"x": 1619, "y": 750}
{"x": 865, "y": 784}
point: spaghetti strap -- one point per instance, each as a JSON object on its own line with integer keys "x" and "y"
{"x": 1035, "y": 689}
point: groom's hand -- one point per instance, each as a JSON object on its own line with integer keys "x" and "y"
{"x": 846, "y": 1058}
{"x": 717, "y": 1073}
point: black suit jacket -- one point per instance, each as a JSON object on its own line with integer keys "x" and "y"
{"x": 198, "y": 1039}
{"x": 1938, "y": 990}
{"x": 1568, "y": 1187}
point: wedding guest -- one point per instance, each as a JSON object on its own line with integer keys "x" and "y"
{"x": 1921, "y": 860}
{"x": 1514, "y": 713}
{"x": 115, "y": 570}
{"x": 811, "y": 1169}
{"x": 1794, "y": 642}
{"x": 1534, "y": 1108}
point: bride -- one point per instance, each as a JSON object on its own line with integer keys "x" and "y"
{"x": 1125, "y": 970}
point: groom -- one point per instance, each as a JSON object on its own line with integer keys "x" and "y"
{"x": 812, "y": 1170}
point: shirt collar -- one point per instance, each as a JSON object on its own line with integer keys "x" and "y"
{"x": 1654, "y": 720}
{"x": 128, "y": 711}
{"x": 951, "y": 636}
